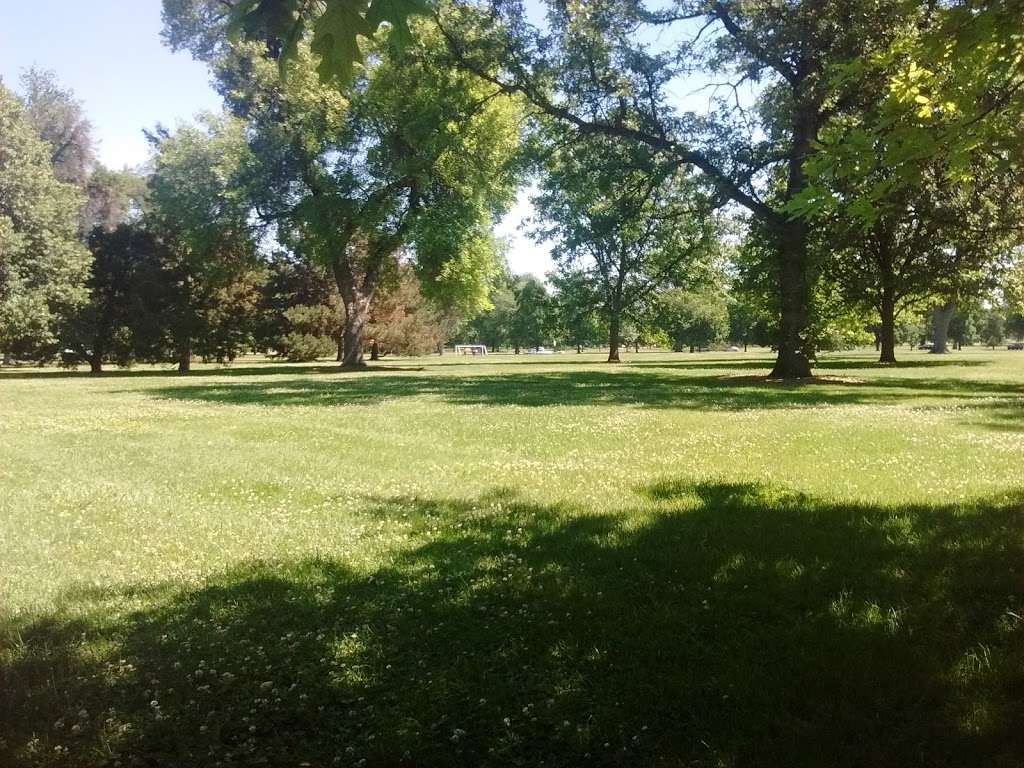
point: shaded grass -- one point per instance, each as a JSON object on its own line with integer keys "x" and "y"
{"x": 730, "y": 624}
{"x": 647, "y": 388}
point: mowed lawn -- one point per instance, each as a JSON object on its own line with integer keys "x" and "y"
{"x": 536, "y": 561}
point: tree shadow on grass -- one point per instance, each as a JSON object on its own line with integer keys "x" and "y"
{"x": 715, "y": 624}
{"x": 270, "y": 368}
{"x": 859, "y": 363}
{"x": 1002, "y": 416}
{"x": 621, "y": 387}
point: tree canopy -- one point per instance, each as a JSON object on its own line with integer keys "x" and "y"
{"x": 625, "y": 218}
{"x": 410, "y": 160}
{"x": 43, "y": 264}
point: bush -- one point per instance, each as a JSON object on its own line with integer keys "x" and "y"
{"x": 305, "y": 347}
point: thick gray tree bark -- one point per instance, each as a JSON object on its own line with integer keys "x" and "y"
{"x": 941, "y": 316}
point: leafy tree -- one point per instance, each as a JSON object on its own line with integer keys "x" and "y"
{"x": 918, "y": 171}
{"x": 1012, "y": 290}
{"x": 910, "y": 330}
{"x": 749, "y": 323}
{"x": 993, "y": 328}
{"x": 403, "y": 321}
{"x": 625, "y": 218}
{"x": 114, "y": 198}
{"x": 294, "y": 284}
{"x": 593, "y": 70}
{"x": 201, "y": 213}
{"x": 412, "y": 159}
{"x": 314, "y": 332}
{"x": 693, "y": 319}
{"x": 576, "y": 310}
{"x": 43, "y": 266}
{"x": 493, "y": 327}
{"x": 837, "y": 323}
{"x": 532, "y": 318}
{"x": 123, "y": 318}
{"x": 60, "y": 121}
{"x": 1012, "y": 287}
{"x": 907, "y": 234}
{"x": 951, "y": 82}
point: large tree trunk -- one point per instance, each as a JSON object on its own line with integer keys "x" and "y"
{"x": 613, "y": 339}
{"x": 887, "y": 332}
{"x": 96, "y": 355}
{"x": 794, "y": 297}
{"x": 8, "y": 358}
{"x": 882, "y": 249}
{"x": 356, "y": 296}
{"x": 187, "y": 327}
{"x": 185, "y": 356}
{"x": 941, "y": 316}
{"x": 794, "y": 273}
{"x": 99, "y": 341}
{"x": 357, "y": 313}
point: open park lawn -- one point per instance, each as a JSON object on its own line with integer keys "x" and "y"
{"x": 535, "y": 561}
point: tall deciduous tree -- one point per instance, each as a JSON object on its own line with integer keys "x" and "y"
{"x": 493, "y": 326}
{"x": 43, "y": 265}
{"x": 201, "y": 212}
{"x": 578, "y": 308}
{"x": 403, "y": 321}
{"x": 625, "y": 217}
{"x": 940, "y": 241}
{"x": 594, "y": 71}
{"x": 920, "y": 192}
{"x": 59, "y": 118}
{"x": 693, "y": 319}
{"x": 532, "y": 317}
{"x": 413, "y": 158}
{"x": 122, "y": 321}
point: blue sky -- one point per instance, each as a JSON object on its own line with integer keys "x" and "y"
{"x": 109, "y": 52}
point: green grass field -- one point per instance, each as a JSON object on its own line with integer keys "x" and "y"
{"x": 515, "y": 561}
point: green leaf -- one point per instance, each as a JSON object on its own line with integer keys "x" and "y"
{"x": 263, "y": 19}
{"x": 396, "y": 13}
{"x": 336, "y": 31}
{"x": 335, "y": 38}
